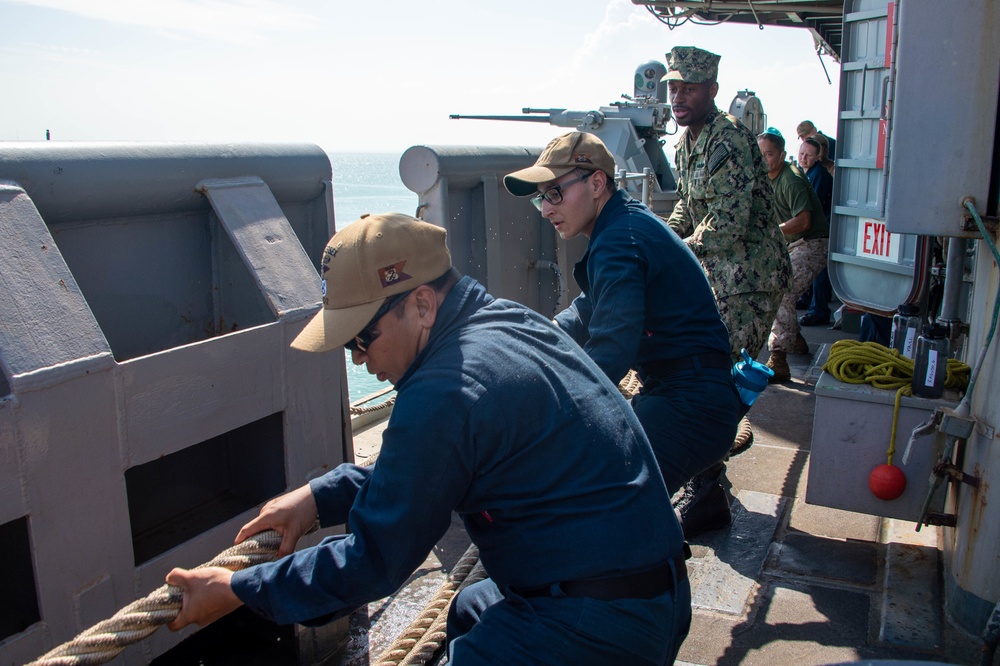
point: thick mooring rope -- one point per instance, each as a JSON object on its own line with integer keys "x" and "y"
{"x": 743, "y": 439}
{"x": 106, "y": 639}
{"x": 871, "y": 363}
{"x": 368, "y": 409}
{"x": 420, "y": 641}
{"x": 629, "y": 385}
{"x": 415, "y": 646}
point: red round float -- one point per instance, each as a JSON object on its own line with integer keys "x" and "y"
{"x": 887, "y": 482}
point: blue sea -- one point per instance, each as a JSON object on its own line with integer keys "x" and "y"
{"x": 367, "y": 183}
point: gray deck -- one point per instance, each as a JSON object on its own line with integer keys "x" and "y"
{"x": 787, "y": 583}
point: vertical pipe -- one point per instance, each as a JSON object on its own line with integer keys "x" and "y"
{"x": 953, "y": 275}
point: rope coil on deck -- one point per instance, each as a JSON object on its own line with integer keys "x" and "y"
{"x": 871, "y": 363}
{"x": 134, "y": 622}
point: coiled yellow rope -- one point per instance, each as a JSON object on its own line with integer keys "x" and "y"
{"x": 871, "y": 363}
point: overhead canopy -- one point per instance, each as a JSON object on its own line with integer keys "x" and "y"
{"x": 821, "y": 17}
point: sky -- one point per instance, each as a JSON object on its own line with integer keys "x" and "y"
{"x": 364, "y": 76}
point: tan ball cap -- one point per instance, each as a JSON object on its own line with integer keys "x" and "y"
{"x": 576, "y": 150}
{"x": 363, "y": 264}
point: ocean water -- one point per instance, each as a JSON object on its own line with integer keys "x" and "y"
{"x": 367, "y": 183}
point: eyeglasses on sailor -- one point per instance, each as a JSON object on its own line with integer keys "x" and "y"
{"x": 554, "y": 194}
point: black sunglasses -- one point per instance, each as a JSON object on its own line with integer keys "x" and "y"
{"x": 369, "y": 333}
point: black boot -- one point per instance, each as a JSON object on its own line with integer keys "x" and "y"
{"x": 704, "y": 505}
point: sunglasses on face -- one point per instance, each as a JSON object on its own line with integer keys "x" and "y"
{"x": 369, "y": 333}
{"x": 554, "y": 194}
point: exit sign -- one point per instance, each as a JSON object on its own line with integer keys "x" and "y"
{"x": 877, "y": 242}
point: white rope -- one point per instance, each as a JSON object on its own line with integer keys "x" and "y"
{"x": 420, "y": 641}
{"x": 106, "y": 639}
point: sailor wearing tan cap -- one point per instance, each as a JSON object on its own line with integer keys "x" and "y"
{"x": 496, "y": 418}
{"x": 645, "y": 304}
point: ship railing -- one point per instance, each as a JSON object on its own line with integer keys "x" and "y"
{"x": 644, "y": 179}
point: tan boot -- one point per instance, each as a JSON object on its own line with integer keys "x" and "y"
{"x": 800, "y": 346}
{"x": 779, "y": 363}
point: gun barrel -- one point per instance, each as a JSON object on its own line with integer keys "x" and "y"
{"x": 520, "y": 119}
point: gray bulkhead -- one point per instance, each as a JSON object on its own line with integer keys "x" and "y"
{"x": 920, "y": 85}
{"x": 150, "y": 400}
{"x": 500, "y": 240}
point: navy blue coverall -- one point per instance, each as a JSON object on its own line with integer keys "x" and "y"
{"x": 646, "y": 304}
{"x": 503, "y": 419}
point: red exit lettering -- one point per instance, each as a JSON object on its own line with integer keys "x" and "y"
{"x": 875, "y": 240}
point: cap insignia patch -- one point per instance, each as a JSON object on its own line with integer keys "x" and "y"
{"x": 390, "y": 275}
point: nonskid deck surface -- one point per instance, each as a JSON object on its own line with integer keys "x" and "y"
{"x": 786, "y": 583}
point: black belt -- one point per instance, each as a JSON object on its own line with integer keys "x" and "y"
{"x": 643, "y": 585}
{"x": 715, "y": 360}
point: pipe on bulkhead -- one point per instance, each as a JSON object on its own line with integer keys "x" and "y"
{"x": 953, "y": 276}
{"x": 421, "y": 167}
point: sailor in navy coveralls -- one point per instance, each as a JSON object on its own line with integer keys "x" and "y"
{"x": 502, "y": 418}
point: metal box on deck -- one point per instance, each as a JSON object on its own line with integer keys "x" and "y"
{"x": 851, "y": 430}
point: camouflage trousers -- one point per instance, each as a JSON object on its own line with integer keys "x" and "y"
{"x": 748, "y": 317}
{"x": 808, "y": 260}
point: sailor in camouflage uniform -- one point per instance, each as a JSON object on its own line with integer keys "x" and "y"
{"x": 725, "y": 212}
{"x": 726, "y": 217}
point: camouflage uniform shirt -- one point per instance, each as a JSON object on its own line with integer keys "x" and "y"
{"x": 725, "y": 212}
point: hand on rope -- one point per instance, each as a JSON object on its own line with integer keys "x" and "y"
{"x": 207, "y": 593}
{"x": 292, "y": 515}
{"x": 106, "y": 639}
{"x": 207, "y": 596}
